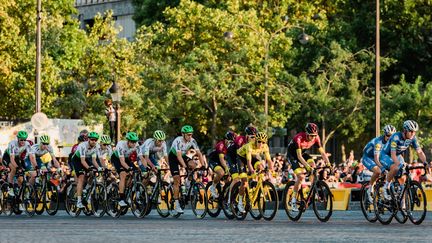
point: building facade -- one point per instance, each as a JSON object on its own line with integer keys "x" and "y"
{"x": 123, "y": 11}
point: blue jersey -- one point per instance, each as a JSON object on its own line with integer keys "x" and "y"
{"x": 374, "y": 146}
{"x": 399, "y": 144}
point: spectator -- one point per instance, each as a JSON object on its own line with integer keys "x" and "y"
{"x": 110, "y": 113}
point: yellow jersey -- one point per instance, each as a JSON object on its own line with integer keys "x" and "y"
{"x": 250, "y": 149}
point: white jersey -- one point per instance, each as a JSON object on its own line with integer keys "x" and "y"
{"x": 14, "y": 149}
{"x": 179, "y": 144}
{"x": 105, "y": 153}
{"x": 85, "y": 151}
{"x": 122, "y": 149}
{"x": 38, "y": 151}
{"x": 149, "y": 147}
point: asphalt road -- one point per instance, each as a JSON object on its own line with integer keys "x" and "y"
{"x": 342, "y": 227}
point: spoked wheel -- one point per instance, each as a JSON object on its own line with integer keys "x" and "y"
{"x": 29, "y": 200}
{"x": 164, "y": 199}
{"x": 225, "y": 204}
{"x": 235, "y": 196}
{"x": 269, "y": 201}
{"x": 98, "y": 201}
{"x": 71, "y": 200}
{"x": 366, "y": 204}
{"x": 52, "y": 199}
{"x": 139, "y": 201}
{"x": 288, "y": 193}
{"x": 254, "y": 209}
{"x": 213, "y": 207}
{"x": 384, "y": 209}
{"x": 416, "y": 203}
{"x": 7, "y": 202}
{"x": 198, "y": 200}
{"x": 322, "y": 201}
{"x": 40, "y": 205}
{"x": 113, "y": 197}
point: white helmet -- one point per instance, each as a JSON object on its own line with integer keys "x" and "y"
{"x": 410, "y": 125}
{"x": 389, "y": 130}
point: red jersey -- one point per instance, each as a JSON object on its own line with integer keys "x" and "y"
{"x": 302, "y": 143}
{"x": 220, "y": 147}
{"x": 74, "y": 148}
{"x": 240, "y": 141}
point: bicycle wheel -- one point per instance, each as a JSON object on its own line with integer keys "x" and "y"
{"x": 71, "y": 200}
{"x": 163, "y": 200}
{"x": 139, "y": 200}
{"x": 213, "y": 207}
{"x": 384, "y": 209}
{"x": 235, "y": 196}
{"x": 322, "y": 201}
{"x": 366, "y": 205}
{"x": 287, "y": 196}
{"x": 52, "y": 199}
{"x": 113, "y": 197}
{"x": 29, "y": 200}
{"x": 416, "y": 202}
{"x": 269, "y": 202}
{"x": 401, "y": 215}
{"x": 253, "y": 203}
{"x": 198, "y": 200}
{"x": 98, "y": 200}
{"x": 40, "y": 205}
{"x": 7, "y": 202}
{"x": 225, "y": 202}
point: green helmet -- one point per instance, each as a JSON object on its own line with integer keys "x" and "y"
{"x": 93, "y": 135}
{"x": 22, "y": 135}
{"x": 159, "y": 135}
{"x": 187, "y": 129}
{"x": 132, "y": 136}
{"x": 105, "y": 139}
{"x": 44, "y": 139}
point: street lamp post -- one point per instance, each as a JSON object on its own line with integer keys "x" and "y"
{"x": 38, "y": 57}
{"x": 377, "y": 72}
{"x": 116, "y": 96}
{"x": 303, "y": 38}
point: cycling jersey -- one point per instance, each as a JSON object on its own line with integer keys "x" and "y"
{"x": 399, "y": 144}
{"x": 105, "y": 153}
{"x": 38, "y": 151}
{"x": 300, "y": 142}
{"x": 239, "y": 141}
{"x": 220, "y": 149}
{"x": 14, "y": 149}
{"x": 122, "y": 149}
{"x": 250, "y": 149}
{"x": 85, "y": 151}
{"x": 180, "y": 144}
{"x": 149, "y": 147}
{"x": 374, "y": 146}
{"x": 74, "y": 148}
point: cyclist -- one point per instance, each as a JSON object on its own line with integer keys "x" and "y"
{"x": 217, "y": 160}
{"x": 151, "y": 150}
{"x": 14, "y": 156}
{"x": 105, "y": 150}
{"x": 83, "y": 136}
{"x": 391, "y": 155}
{"x": 300, "y": 159}
{"x": 371, "y": 154}
{"x": 82, "y": 160}
{"x": 40, "y": 155}
{"x": 177, "y": 157}
{"x": 249, "y": 156}
{"x": 122, "y": 161}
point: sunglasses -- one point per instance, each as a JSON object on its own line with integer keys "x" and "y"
{"x": 45, "y": 143}
{"x": 21, "y": 140}
{"x": 261, "y": 142}
{"x": 188, "y": 134}
{"x": 251, "y": 136}
{"x": 92, "y": 139}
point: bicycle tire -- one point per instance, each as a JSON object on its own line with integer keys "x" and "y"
{"x": 198, "y": 200}
{"x": 417, "y": 199}
{"x": 286, "y": 200}
{"x": 29, "y": 200}
{"x": 98, "y": 201}
{"x": 51, "y": 199}
{"x": 366, "y": 206}
{"x": 322, "y": 199}
{"x": 254, "y": 207}
{"x": 234, "y": 201}
{"x": 6, "y": 200}
{"x": 269, "y": 204}
{"x": 163, "y": 207}
{"x": 71, "y": 200}
{"x": 113, "y": 197}
{"x": 40, "y": 205}
{"x": 213, "y": 204}
{"x": 225, "y": 205}
{"x": 400, "y": 216}
{"x": 139, "y": 200}
{"x": 384, "y": 210}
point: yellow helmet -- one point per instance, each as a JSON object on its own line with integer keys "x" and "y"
{"x": 261, "y": 136}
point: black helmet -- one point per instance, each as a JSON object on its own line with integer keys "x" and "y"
{"x": 250, "y": 130}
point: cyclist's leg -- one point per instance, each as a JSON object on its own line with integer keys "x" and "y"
{"x": 29, "y": 168}
{"x": 370, "y": 164}
{"x": 175, "y": 172}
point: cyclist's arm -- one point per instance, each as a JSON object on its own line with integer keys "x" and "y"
{"x": 270, "y": 162}
{"x": 301, "y": 159}
{"x": 377, "y": 161}
{"x": 180, "y": 159}
{"x": 32, "y": 158}
{"x": 421, "y": 155}
{"x": 148, "y": 161}
{"x": 84, "y": 163}
{"x": 223, "y": 161}
{"x": 394, "y": 157}
{"x": 123, "y": 162}
{"x": 201, "y": 158}
{"x": 94, "y": 162}
{"x": 249, "y": 160}
{"x": 324, "y": 156}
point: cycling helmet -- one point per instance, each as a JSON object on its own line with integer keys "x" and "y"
{"x": 93, "y": 135}
{"x": 187, "y": 129}
{"x": 44, "y": 139}
{"x": 22, "y": 135}
{"x": 159, "y": 135}
{"x": 410, "y": 125}
{"x": 389, "y": 130}
{"x": 230, "y": 135}
{"x": 311, "y": 129}
{"x": 250, "y": 130}
{"x": 105, "y": 139}
{"x": 132, "y": 136}
{"x": 261, "y": 137}
{"x": 82, "y": 137}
